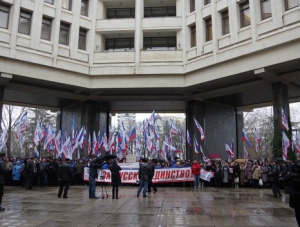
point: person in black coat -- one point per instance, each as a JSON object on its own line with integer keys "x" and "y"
{"x": 3, "y": 170}
{"x": 115, "y": 178}
{"x": 29, "y": 169}
{"x": 152, "y": 171}
{"x": 274, "y": 178}
{"x": 293, "y": 181}
{"x": 65, "y": 176}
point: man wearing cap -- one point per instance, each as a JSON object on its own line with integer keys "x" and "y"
{"x": 65, "y": 176}
{"x": 3, "y": 170}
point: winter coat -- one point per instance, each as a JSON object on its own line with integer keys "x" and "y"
{"x": 293, "y": 181}
{"x": 242, "y": 175}
{"x": 3, "y": 170}
{"x": 115, "y": 174}
{"x": 16, "y": 173}
{"x": 256, "y": 173}
{"x": 225, "y": 174}
{"x": 94, "y": 165}
{"x": 144, "y": 172}
{"x": 196, "y": 168}
{"x": 264, "y": 174}
{"x": 65, "y": 172}
{"x": 79, "y": 168}
{"x": 249, "y": 172}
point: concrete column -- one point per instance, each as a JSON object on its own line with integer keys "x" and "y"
{"x": 14, "y": 25}
{"x": 36, "y": 27}
{"x": 1, "y": 100}
{"x": 138, "y": 36}
{"x": 280, "y": 101}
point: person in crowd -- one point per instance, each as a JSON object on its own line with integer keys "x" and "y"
{"x": 16, "y": 174}
{"x": 274, "y": 178}
{"x": 115, "y": 178}
{"x": 42, "y": 172}
{"x": 285, "y": 171}
{"x": 242, "y": 174}
{"x": 8, "y": 175}
{"x": 249, "y": 174}
{"x": 201, "y": 181}
{"x": 95, "y": 164}
{"x": 208, "y": 168}
{"x": 152, "y": 172}
{"x": 218, "y": 175}
{"x": 292, "y": 179}
{"x": 256, "y": 175}
{"x": 29, "y": 170}
{"x": 3, "y": 170}
{"x": 79, "y": 167}
{"x": 143, "y": 173}
{"x": 65, "y": 176}
{"x": 196, "y": 172}
{"x": 225, "y": 175}
{"x": 264, "y": 174}
{"x": 53, "y": 172}
{"x": 236, "y": 174}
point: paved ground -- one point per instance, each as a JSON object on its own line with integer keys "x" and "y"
{"x": 168, "y": 207}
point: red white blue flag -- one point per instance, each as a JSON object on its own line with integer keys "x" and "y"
{"x": 200, "y": 129}
{"x": 188, "y": 138}
{"x": 286, "y": 143}
{"x": 132, "y": 133}
{"x": 245, "y": 139}
{"x": 152, "y": 119}
{"x": 285, "y": 124}
{"x": 228, "y": 150}
{"x": 196, "y": 146}
{"x": 257, "y": 139}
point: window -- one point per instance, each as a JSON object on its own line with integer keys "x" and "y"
{"x": 266, "y": 11}
{"x": 25, "y": 22}
{"x": 66, "y": 4}
{"x": 193, "y": 36}
{"x": 208, "y": 29}
{"x": 82, "y": 39}
{"x": 121, "y": 13}
{"x": 49, "y": 1}
{"x": 46, "y": 28}
{"x": 64, "y": 33}
{"x": 245, "y": 14}
{"x": 225, "y": 22}
{"x": 4, "y": 15}
{"x": 289, "y": 4}
{"x": 160, "y": 43}
{"x": 192, "y": 5}
{"x": 122, "y": 44}
{"x": 168, "y": 11}
{"x": 207, "y": 2}
{"x": 84, "y": 8}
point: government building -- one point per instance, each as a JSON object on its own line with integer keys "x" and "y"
{"x": 210, "y": 59}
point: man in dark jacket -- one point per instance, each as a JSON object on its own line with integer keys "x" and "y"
{"x": 274, "y": 174}
{"x": 94, "y": 166}
{"x": 144, "y": 172}
{"x": 29, "y": 170}
{"x": 3, "y": 170}
{"x": 65, "y": 176}
{"x": 152, "y": 171}
{"x": 293, "y": 181}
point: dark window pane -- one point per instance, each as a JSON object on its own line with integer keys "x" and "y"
{"x": 122, "y": 44}
{"x": 24, "y": 23}
{"x": 82, "y": 39}
{"x": 192, "y": 5}
{"x": 4, "y": 16}
{"x": 245, "y": 14}
{"x": 169, "y": 11}
{"x": 208, "y": 26}
{"x": 50, "y": 1}
{"x": 266, "y": 11}
{"x": 193, "y": 36}
{"x": 160, "y": 43}
{"x": 225, "y": 23}
{"x": 121, "y": 13}
{"x": 289, "y": 4}
{"x": 84, "y": 7}
{"x": 64, "y": 34}
{"x": 46, "y": 29}
{"x": 66, "y": 4}
{"x": 207, "y": 2}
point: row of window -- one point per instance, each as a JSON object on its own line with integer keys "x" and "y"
{"x": 150, "y": 43}
{"x": 245, "y": 18}
{"x": 67, "y": 4}
{"x": 25, "y": 27}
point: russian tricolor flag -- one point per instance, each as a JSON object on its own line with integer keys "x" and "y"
{"x": 245, "y": 139}
{"x": 132, "y": 134}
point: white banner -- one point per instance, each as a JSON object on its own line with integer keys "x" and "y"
{"x": 205, "y": 175}
{"x": 130, "y": 176}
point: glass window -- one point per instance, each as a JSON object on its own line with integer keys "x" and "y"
{"x": 4, "y": 15}
{"x": 49, "y": 1}
{"x": 225, "y": 22}
{"x": 192, "y": 5}
{"x": 208, "y": 28}
{"x": 245, "y": 14}
{"x": 266, "y": 11}
{"x": 120, "y": 44}
{"x": 25, "y": 22}
{"x": 82, "y": 39}
{"x": 193, "y": 36}
{"x": 289, "y": 4}
{"x": 160, "y": 43}
{"x": 46, "y": 29}
{"x": 84, "y": 8}
{"x": 121, "y": 13}
{"x": 66, "y": 4}
{"x": 168, "y": 11}
{"x": 64, "y": 34}
{"x": 207, "y": 2}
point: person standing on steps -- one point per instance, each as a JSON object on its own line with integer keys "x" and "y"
{"x": 65, "y": 176}
{"x": 3, "y": 170}
{"x": 115, "y": 178}
{"x": 152, "y": 171}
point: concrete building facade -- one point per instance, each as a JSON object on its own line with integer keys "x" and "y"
{"x": 140, "y": 55}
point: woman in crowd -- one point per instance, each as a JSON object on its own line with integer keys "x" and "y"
{"x": 242, "y": 174}
{"x": 115, "y": 178}
{"x": 256, "y": 175}
{"x": 196, "y": 172}
{"x": 225, "y": 175}
{"x": 16, "y": 174}
{"x": 249, "y": 174}
{"x": 218, "y": 175}
{"x": 264, "y": 174}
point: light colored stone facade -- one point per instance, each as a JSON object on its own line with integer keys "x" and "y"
{"x": 264, "y": 43}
